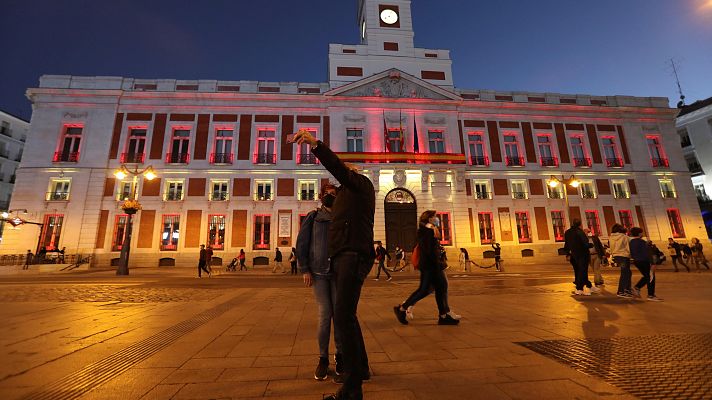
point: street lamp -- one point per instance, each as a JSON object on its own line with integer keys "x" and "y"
{"x": 572, "y": 181}
{"x": 130, "y": 207}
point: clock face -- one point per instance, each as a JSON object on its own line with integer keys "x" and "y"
{"x": 389, "y": 16}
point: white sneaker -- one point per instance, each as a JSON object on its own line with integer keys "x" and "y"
{"x": 595, "y": 289}
{"x": 586, "y": 292}
{"x": 375, "y": 279}
{"x": 577, "y": 292}
{"x": 454, "y": 316}
{"x": 409, "y": 313}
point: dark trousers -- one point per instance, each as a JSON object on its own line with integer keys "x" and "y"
{"x": 350, "y": 270}
{"x": 647, "y": 279}
{"x": 242, "y": 265}
{"x": 580, "y": 264}
{"x": 381, "y": 266}
{"x": 678, "y": 259}
{"x": 202, "y": 267}
{"x": 431, "y": 278}
{"x": 624, "y": 281}
{"x": 294, "y": 267}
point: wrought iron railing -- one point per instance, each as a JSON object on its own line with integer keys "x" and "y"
{"x": 514, "y": 161}
{"x": 60, "y": 156}
{"x": 178, "y": 158}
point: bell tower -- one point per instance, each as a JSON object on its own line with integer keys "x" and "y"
{"x": 385, "y": 29}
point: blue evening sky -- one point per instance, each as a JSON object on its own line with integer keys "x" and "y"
{"x": 602, "y": 47}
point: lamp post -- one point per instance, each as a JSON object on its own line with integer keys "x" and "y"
{"x": 130, "y": 207}
{"x": 554, "y": 182}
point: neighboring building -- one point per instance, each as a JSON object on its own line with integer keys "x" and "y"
{"x": 228, "y": 177}
{"x": 694, "y": 125}
{"x": 13, "y": 134}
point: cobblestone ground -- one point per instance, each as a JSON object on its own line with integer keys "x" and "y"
{"x": 164, "y": 334}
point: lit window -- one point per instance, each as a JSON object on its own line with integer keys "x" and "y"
{"x": 667, "y": 189}
{"x": 620, "y": 190}
{"x": 307, "y": 190}
{"x": 180, "y": 142}
{"x": 523, "y": 228}
{"x": 119, "y": 232}
{"x": 486, "y": 224}
{"x": 171, "y": 232}
{"x": 263, "y": 190}
{"x": 657, "y": 153}
{"x": 546, "y": 152}
{"x": 593, "y": 222}
{"x": 519, "y": 190}
{"x": 304, "y": 155}
{"x": 51, "y": 231}
{"x": 578, "y": 150}
{"x": 265, "y": 147}
{"x": 626, "y": 218}
{"x": 262, "y": 232}
{"x": 125, "y": 190}
{"x": 58, "y": 189}
{"x": 610, "y": 151}
{"x": 219, "y": 190}
{"x": 173, "y": 190}
{"x": 436, "y": 141}
{"x": 354, "y": 140}
{"x": 556, "y": 192}
{"x": 216, "y": 231}
{"x": 512, "y": 151}
{"x": 69, "y": 144}
{"x": 587, "y": 190}
{"x": 136, "y": 146}
{"x": 678, "y": 231}
{"x": 478, "y": 155}
{"x": 559, "y": 224}
{"x": 445, "y": 237}
{"x": 222, "y": 153}
{"x": 482, "y": 191}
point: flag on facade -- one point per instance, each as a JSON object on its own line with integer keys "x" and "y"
{"x": 385, "y": 133}
{"x": 416, "y": 145}
{"x": 402, "y": 136}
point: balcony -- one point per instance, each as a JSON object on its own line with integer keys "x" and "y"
{"x": 219, "y": 196}
{"x": 221, "y": 158}
{"x": 556, "y": 195}
{"x": 514, "y": 161}
{"x": 582, "y": 162}
{"x": 660, "y": 162}
{"x": 621, "y": 195}
{"x": 519, "y": 195}
{"x": 173, "y": 196}
{"x": 483, "y": 195}
{"x": 57, "y": 196}
{"x": 169, "y": 247}
{"x": 668, "y": 194}
{"x": 588, "y": 195}
{"x": 614, "y": 163}
{"x": 549, "y": 162}
{"x": 306, "y": 159}
{"x": 307, "y": 196}
{"x": 60, "y": 156}
{"x": 479, "y": 161}
{"x": 133, "y": 158}
{"x": 263, "y": 196}
{"x": 410, "y": 158}
{"x": 177, "y": 158}
{"x": 265, "y": 158}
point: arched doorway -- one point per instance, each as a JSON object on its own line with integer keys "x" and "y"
{"x": 401, "y": 219}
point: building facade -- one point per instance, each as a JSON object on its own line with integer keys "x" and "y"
{"x": 694, "y": 125}
{"x": 228, "y": 177}
{"x": 13, "y": 134}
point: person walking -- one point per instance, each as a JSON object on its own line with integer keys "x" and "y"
{"x": 241, "y": 257}
{"x": 432, "y": 272}
{"x": 697, "y": 255}
{"x": 381, "y": 255}
{"x": 202, "y": 261}
{"x": 577, "y": 246}
{"x": 400, "y": 259}
{"x": 278, "y": 262}
{"x": 676, "y": 254}
{"x": 28, "y": 260}
{"x": 619, "y": 247}
{"x": 293, "y": 261}
{"x": 497, "y": 256}
{"x": 209, "y": 258}
{"x": 313, "y": 258}
{"x": 464, "y": 259}
{"x": 597, "y": 253}
{"x": 640, "y": 254}
{"x": 350, "y": 243}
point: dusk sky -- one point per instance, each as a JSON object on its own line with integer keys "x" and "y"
{"x": 603, "y": 47}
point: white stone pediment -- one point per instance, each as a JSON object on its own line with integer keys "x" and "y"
{"x": 394, "y": 84}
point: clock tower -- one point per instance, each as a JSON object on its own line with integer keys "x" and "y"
{"x": 386, "y": 35}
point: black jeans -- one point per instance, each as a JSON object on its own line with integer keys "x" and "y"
{"x": 382, "y": 267}
{"x": 202, "y": 267}
{"x": 647, "y": 279}
{"x": 626, "y": 275}
{"x": 431, "y": 278}
{"x": 580, "y": 265}
{"x": 350, "y": 270}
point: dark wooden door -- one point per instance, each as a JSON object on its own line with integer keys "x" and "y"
{"x": 401, "y": 225}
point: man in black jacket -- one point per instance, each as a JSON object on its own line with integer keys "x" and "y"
{"x": 352, "y": 254}
{"x": 576, "y": 244}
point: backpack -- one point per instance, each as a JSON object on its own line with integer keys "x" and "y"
{"x": 686, "y": 249}
{"x": 415, "y": 257}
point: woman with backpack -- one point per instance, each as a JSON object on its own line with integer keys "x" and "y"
{"x": 697, "y": 255}
{"x": 427, "y": 258}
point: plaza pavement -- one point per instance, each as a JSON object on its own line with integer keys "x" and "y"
{"x": 165, "y": 334}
